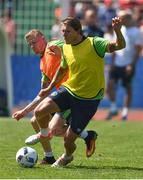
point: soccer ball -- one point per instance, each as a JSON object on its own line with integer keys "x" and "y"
{"x": 26, "y": 157}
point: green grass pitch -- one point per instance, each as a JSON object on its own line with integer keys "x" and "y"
{"x": 119, "y": 152}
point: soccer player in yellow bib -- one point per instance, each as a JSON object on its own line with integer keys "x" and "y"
{"x": 50, "y": 58}
{"x": 83, "y": 90}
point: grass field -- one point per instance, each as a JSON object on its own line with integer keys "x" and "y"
{"x": 119, "y": 152}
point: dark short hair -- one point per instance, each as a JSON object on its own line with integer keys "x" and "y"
{"x": 74, "y": 23}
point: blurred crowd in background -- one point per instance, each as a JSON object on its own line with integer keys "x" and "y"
{"x": 101, "y": 16}
{"x": 95, "y": 15}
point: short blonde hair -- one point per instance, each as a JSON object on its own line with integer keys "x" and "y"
{"x": 33, "y": 33}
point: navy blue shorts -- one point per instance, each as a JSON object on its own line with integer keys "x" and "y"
{"x": 81, "y": 110}
{"x": 119, "y": 73}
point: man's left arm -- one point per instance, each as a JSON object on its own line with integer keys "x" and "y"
{"x": 120, "y": 40}
{"x": 131, "y": 67}
{"x": 138, "y": 49}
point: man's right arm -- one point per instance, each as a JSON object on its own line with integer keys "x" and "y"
{"x": 30, "y": 107}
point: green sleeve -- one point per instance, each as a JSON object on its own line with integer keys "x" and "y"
{"x": 60, "y": 44}
{"x": 44, "y": 77}
{"x": 100, "y": 45}
{"x": 57, "y": 42}
{"x": 63, "y": 62}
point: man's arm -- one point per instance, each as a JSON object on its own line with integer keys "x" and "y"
{"x": 138, "y": 49}
{"x": 31, "y": 106}
{"x": 120, "y": 41}
{"x": 57, "y": 77}
{"x": 130, "y": 68}
{"x": 44, "y": 84}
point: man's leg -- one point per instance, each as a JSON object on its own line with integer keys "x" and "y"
{"x": 90, "y": 141}
{"x": 70, "y": 147}
{"x": 43, "y": 116}
{"x": 112, "y": 96}
{"x": 79, "y": 121}
{"x": 43, "y": 111}
{"x": 127, "y": 84}
{"x": 58, "y": 127}
{"x": 48, "y": 155}
{"x": 69, "y": 142}
{"x": 127, "y": 102}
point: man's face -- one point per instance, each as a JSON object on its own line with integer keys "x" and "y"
{"x": 37, "y": 44}
{"x": 69, "y": 34}
{"x": 90, "y": 17}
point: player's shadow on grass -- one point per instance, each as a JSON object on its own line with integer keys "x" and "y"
{"x": 105, "y": 167}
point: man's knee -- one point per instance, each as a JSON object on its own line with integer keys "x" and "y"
{"x": 33, "y": 120}
{"x": 34, "y": 124}
{"x": 44, "y": 108}
{"x": 38, "y": 112}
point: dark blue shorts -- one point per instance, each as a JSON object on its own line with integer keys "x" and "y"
{"x": 120, "y": 73}
{"x": 81, "y": 110}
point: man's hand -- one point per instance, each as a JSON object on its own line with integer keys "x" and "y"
{"x": 44, "y": 92}
{"x": 19, "y": 114}
{"x": 116, "y": 23}
{"x": 30, "y": 107}
{"x": 54, "y": 50}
